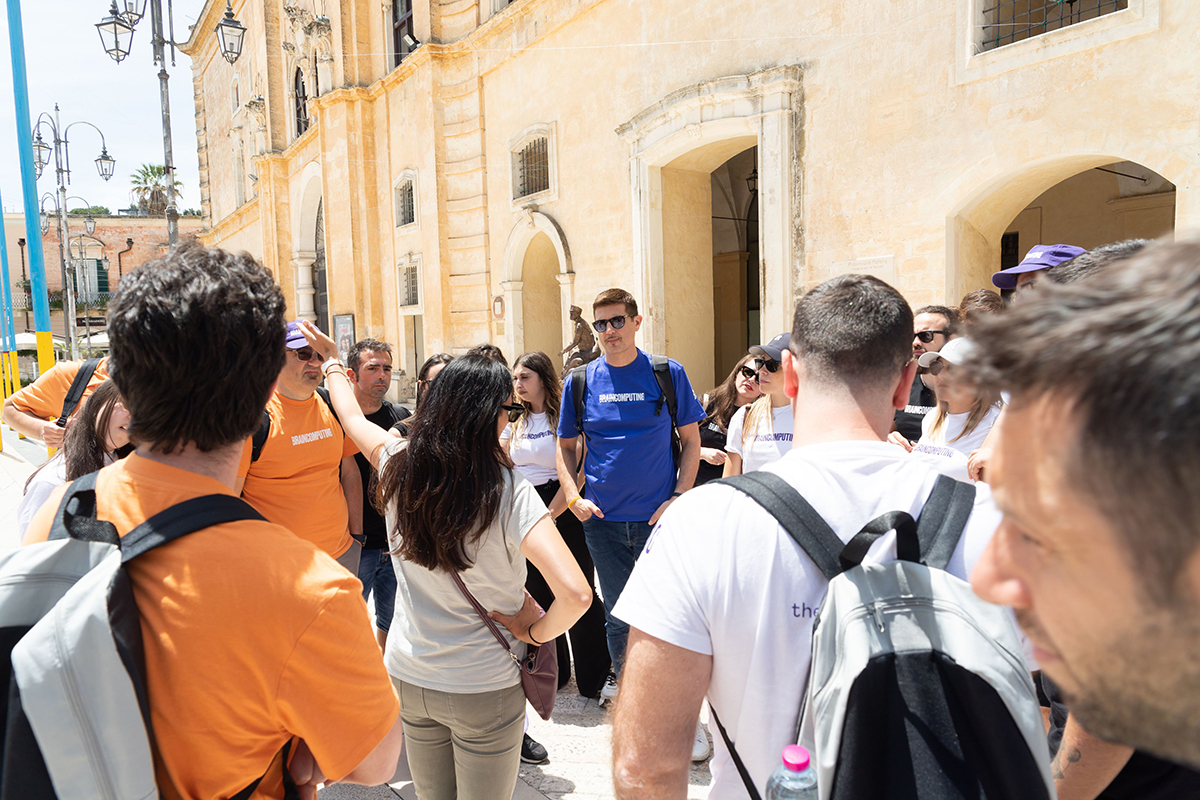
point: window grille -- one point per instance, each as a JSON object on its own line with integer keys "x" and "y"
{"x": 406, "y": 207}
{"x": 301, "y": 104}
{"x": 410, "y": 285}
{"x": 402, "y": 23}
{"x": 1008, "y": 21}
{"x": 533, "y": 168}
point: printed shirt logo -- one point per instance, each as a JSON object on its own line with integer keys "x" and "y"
{"x": 773, "y": 437}
{"x": 539, "y": 435}
{"x": 305, "y": 438}
{"x": 922, "y": 410}
{"x": 623, "y": 397}
{"x": 944, "y": 452}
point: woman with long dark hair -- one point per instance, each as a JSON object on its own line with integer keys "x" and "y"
{"x": 97, "y": 437}
{"x": 532, "y": 445}
{"x": 454, "y": 505}
{"x": 738, "y": 390}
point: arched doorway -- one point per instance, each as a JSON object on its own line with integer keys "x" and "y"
{"x": 736, "y": 281}
{"x": 538, "y": 285}
{"x": 540, "y": 298}
{"x": 320, "y": 275}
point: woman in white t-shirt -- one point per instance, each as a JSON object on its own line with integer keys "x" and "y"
{"x": 532, "y": 444}
{"x": 964, "y": 416}
{"x": 455, "y": 505}
{"x": 761, "y": 432}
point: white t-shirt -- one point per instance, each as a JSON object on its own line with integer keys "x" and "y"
{"x": 950, "y": 457}
{"x": 533, "y": 451}
{"x": 437, "y": 641}
{"x": 40, "y": 487}
{"x": 721, "y": 578}
{"x": 766, "y": 445}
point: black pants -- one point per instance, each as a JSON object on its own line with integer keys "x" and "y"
{"x": 588, "y": 641}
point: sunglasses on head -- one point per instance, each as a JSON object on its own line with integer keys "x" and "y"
{"x": 748, "y": 373}
{"x": 769, "y": 364}
{"x": 514, "y": 411}
{"x": 927, "y": 336}
{"x": 305, "y": 354}
{"x": 618, "y": 322}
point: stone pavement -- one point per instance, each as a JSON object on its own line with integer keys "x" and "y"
{"x": 578, "y": 737}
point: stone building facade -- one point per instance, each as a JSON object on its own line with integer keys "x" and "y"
{"x": 456, "y": 171}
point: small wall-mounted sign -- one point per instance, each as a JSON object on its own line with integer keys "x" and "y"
{"x": 498, "y": 307}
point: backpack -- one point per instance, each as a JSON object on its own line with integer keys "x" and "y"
{"x": 918, "y": 689}
{"x": 264, "y": 429}
{"x": 75, "y": 393}
{"x": 666, "y": 384}
{"x": 75, "y": 707}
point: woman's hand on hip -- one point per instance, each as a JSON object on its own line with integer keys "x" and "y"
{"x": 518, "y": 624}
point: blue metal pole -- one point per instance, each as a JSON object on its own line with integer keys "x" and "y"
{"x": 8, "y": 336}
{"x": 33, "y": 233}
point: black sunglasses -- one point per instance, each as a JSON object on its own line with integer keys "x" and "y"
{"x": 514, "y": 412}
{"x": 927, "y": 336}
{"x": 748, "y": 373}
{"x": 305, "y": 354}
{"x": 769, "y": 364}
{"x": 618, "y": 322}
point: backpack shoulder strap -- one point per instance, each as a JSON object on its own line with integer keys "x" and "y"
{"x": 943, "y": 519}
{"x": 183, "y": 518}
{"x": 579, "y": 393}
{"x": 751, "y": 789}
{"x": 324, "y": 394}
{"x": 662, "y": 373}
{"x": 78, "y": 387}
{"x": 260, "y": 437}
{"x": 796, "y": 515}
{"x": 76, "y": 515}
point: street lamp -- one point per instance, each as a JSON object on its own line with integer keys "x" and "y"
{"x": 120, "y": 22}
{"x": 45, "y": 222}
{"x": 105, "y": 164}
{"x": 89, "y": 224}
{"x": 116, "y": 34}
{"x": 41, "y": 153}
{"x": 230, "y": 34}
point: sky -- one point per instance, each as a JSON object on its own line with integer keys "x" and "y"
{"x": 66, "y": 64}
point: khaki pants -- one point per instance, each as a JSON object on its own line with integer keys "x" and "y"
{"x": 462, "y": 746}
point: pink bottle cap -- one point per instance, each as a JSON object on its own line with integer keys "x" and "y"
{"x": 795, "y": 758}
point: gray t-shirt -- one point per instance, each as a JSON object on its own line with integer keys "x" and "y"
{"x": 436, "y": 640}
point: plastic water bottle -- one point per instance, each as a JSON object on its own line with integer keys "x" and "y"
{"x": 795, "y": 779}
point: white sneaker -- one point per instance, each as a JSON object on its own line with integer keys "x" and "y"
{"x": 608, "y": 694}
{"x": 700, "y": 748}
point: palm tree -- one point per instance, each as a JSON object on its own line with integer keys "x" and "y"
{"x": 150, "y": 189}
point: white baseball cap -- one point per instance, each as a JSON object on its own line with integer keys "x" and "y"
{"x": 955, "y": 351}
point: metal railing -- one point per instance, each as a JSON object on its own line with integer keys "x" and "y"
{"x": 1009, "y": 21}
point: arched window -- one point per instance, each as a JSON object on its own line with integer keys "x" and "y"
{"x": 301, "y": 104}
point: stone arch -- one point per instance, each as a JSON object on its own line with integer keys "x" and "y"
{"x": 530, "y": 226}
{"x": 304, "y": 245}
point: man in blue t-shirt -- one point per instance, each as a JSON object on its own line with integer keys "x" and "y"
{"x": 629, "y": 469}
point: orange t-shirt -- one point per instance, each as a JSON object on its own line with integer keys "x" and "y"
{"x": 251, "y": 635}
{"x": 295, "y": 481}
{"x": 44, "y": 397}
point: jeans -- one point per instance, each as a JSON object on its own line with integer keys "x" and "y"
{"x": 615, "y": 547}
{"x": 376, "y": 572}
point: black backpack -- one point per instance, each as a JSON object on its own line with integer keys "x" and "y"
{"x": 666, "y": 385}
{"x": 75, "y": 393}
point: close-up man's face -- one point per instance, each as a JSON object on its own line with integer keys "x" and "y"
{"x": 374, "y": 374}
{"x": 613, "y": 339}
{"x": 923, "y": 323}
{"x": 1126, "y": 663}
{"x": 298, "y": 375}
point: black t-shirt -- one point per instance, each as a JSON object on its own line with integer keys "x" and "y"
{"x": 374, "y": 527}
{"x": 1143, "y": 778}
{"x": 921, "y": 400}
{"x": 712, "y": 436}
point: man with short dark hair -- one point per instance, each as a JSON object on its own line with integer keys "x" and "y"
{"x": 369, "y": 368}
{"x": 1095, "y": 469}
{"x": 304, "y": 476}
{"x": 252, "y": 637}
{"x": 630, "y": 472}
{"x": 722, "y": 602}
{"x": 1037, "y": 261}
{"x": 1094, "y": 260}
{"x": 933, "y": 326}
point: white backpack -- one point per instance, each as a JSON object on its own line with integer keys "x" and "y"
{"x": 917, "y": 689}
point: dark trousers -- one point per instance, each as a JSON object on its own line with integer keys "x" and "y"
{"x": 588, "y": 640}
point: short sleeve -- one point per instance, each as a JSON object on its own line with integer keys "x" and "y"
{"x": 688, "y": 407}
{"x": 733, "y": 435}
{"x": 506, "y": 434}
{"x": 44, "y": 397}
{"x": 568, "y": 425}
{"x": 528, "y": 508}
{"x": 342, "y": 715}
{"x": 664, "y": 594}
{"x": 349, "y": 447}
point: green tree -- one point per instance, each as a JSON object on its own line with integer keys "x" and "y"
{"x": 149, "y": 186}
{"x": 91, "y": 210}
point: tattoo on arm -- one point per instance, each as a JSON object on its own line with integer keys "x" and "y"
{"x": 1060, "y": 768}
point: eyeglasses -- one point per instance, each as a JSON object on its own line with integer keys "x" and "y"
{"x": 769, "y": 364}
{"x": 748, "y": 373}
{"x": 927, "y": 336}
{"x": 305, "y": 354}
{"x": 514, "y": 411}
{"x": 618, "y": 322}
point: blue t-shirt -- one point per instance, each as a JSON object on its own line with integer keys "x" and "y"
{"x": 628, "y": 467}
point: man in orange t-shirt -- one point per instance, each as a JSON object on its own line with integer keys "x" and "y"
{"x": 253, "y": 637}
{"x": 305, "y": 478}
{"x": 34, "y": 410}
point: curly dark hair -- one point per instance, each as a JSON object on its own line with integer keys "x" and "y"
{"x": 197, "y": 341}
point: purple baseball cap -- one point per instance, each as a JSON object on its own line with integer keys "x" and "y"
{"x": 295, "y": 337}
{"x": 1043, "y": 256}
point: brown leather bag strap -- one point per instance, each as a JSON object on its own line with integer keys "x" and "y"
{"x": 482, "y": 614}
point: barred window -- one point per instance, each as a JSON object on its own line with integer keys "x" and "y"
{"x": 410, "y": 284}
{"x": 406, "y": 207}
{"x": 533, "y": 168}
{"x": 1009, "y": 21}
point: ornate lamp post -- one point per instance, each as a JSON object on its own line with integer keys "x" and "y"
{"x": 116, "y": 34}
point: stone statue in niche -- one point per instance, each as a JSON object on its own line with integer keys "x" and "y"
{"x": 582, "y": 348}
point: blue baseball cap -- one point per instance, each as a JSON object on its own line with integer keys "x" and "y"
{"x": 1041, "y": 257}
